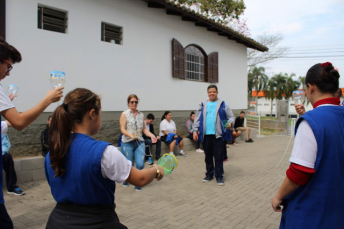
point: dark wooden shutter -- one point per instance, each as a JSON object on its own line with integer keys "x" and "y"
{"x": 178, "y": 59}
{"x": 3, "y": 18}
{"x": 213, "y": 67}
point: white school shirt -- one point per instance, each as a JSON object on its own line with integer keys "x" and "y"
{"x": 114, "y": 165}
{"x": 5, "y": 102}
{"x": 4, "y": 127}
{"x": 305, "y": 147}
{"x": 170, "y": 127}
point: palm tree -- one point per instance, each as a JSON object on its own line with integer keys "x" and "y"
{"x": 280, "y": 81}
{"x": 290, "y": 85}
{"x": 302, "y": 81}
{"x": 269, "y": 92}
{"x": 258, "y": 78}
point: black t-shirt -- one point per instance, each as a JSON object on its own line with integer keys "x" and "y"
{"x": 239, "y": 122}
{"x": 44, "y": 141}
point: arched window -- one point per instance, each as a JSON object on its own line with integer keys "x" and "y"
{"x": 194, "y": 63}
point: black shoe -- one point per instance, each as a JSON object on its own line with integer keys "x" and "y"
{"x": 17, "y": 191}
{"x": 220, "y": 181}
{"x": 249, "y": 140}
{"x": 207, "y": 179}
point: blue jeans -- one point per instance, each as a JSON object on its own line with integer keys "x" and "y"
{"x": 134, "y": 149}
{"x": 213, "y": 149}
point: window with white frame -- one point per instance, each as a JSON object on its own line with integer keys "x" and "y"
{"x": 194, "y": 63}
{"x": 112, "y": 33}
{"x": 52, "y": 19}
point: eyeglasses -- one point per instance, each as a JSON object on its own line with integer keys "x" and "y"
{"x": 132, "y": 102}
{"x": 9, "y": 66}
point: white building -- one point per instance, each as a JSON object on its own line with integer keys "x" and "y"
{"x": 164, "y": 53}
{"x": 119, "y": 47}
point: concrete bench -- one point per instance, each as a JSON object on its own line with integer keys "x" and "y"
{"x": 28, "y": 169}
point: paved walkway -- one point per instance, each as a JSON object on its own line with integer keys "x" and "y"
{"x": 253, "y": 174}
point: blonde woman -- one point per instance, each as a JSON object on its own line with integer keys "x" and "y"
{"x": 133, "y": 144}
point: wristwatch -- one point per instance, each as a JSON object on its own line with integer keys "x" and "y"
{"x": 157, "y": 171}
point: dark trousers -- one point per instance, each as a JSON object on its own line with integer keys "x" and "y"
{"x": 148, "y": 141}
{"x": 198, "y": 143}
{"x": 11, "y": 176}
{"x": 213, "y": 149}
{"x": 5, "y": 220}
{"x": 224, "y": 151}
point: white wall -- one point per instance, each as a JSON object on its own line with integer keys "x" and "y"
{"x": 142, "y": 65}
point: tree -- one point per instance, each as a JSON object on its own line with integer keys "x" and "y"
{"x": 280, "y": 81}
{"x": 275, "y": 50}
{"x": 269, "y": 92}
{"x": 258, "y": 78}
{"x": 240, "y": 26}
{"x": 220, "y": 10}
{"x": 290, "y": 85}
{"x": 302, "y": 81}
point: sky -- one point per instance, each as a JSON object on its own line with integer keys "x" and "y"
{"x": 311, "y": 28}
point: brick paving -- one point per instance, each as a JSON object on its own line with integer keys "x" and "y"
{"x": 253, "y": 174}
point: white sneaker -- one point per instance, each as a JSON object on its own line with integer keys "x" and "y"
{"x": 182, "y": 153}
{"x": 173, "y": 155}
{"x": 199, "y": 151}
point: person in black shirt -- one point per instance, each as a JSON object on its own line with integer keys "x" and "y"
{"x": 149, "y": 125}
{"x": 239, "y": 126}
{"x": 44, "y": 138}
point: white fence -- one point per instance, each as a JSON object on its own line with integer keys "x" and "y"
{"x": 254, "y": 121}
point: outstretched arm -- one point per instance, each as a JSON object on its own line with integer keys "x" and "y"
{"x": 21, "y": 120}
{"x": 145, "y": 176}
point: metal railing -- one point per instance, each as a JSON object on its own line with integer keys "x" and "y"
{"x": 254, "y": 121}
{"x": 292, "y": 126}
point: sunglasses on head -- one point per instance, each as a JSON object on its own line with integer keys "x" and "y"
{"x": 132, "y": 102}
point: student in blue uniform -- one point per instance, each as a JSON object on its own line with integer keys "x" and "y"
{"x": 312, "y": 192}
{"x": 82, "y": 171}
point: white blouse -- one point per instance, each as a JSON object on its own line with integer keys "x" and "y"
{"x": 134, "y": 125}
